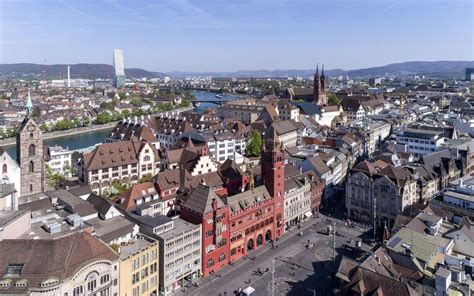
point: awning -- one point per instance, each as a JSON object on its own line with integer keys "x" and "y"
{"x": 308, "y": 214}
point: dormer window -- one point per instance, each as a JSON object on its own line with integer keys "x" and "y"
{"x": 139, "y": 201}
{"x": 14, "y": 270}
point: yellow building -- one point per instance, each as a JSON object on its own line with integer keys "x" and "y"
{"x": 139, "y": 267}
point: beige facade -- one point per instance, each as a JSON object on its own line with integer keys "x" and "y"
{"x": 139, "y": 268}
{"x": 379, "y": 197}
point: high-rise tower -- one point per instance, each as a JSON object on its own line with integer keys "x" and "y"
{"x": 273, "y": 175}
{"x": 119, "y": 78}
{"x": 29, "y": 149}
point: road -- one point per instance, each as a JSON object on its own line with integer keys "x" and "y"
{"x": 297, "y": 268}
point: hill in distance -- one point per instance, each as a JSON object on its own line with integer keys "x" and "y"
{"x": 437, "y": 69}
{"x": 87, "y": 71}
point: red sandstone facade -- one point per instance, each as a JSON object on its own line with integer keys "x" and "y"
{"x": 232, "y": 226}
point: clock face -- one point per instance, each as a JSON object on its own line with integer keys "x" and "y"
{"x": 31, "y": 128}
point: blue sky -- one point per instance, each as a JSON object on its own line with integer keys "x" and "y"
{"x": 229, "y": 35}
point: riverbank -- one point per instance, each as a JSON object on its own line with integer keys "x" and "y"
{"x": 78, "y": 130}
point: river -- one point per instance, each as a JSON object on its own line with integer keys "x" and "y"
{"x": 84, "y": 140}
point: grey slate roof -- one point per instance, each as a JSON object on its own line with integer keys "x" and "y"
{"x": 200, "y": 199}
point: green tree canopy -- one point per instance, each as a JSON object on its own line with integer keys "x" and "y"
{"x": 333, "y": 99}
{"x": 254, "y": 145}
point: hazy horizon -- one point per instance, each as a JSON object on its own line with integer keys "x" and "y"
{"x": 218, "y": 36}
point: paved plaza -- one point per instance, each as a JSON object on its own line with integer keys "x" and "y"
{"x": 299, "y": 269}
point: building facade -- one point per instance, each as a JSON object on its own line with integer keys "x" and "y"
{"x": 420, "y": 141}
{"x": 139, "y": 267}
{"x": 297, "y": 200}
{"x": 375, "y": 195}
{"x": 119, "y": 162}
{"x": 10, "y": 171}
{"x": 75, "y": 264}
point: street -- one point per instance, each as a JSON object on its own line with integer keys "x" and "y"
{"x": 299, "y": 270}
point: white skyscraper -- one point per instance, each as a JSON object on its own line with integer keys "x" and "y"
{"x": 119, "y": 68}
{"x": 68, "y": 76}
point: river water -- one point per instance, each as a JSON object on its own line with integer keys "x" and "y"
{"x": 84, "y": 140}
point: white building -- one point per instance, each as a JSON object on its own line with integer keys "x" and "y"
{"x": 297, "y": 200}
{"x": 59, "y": 160}
{"x": 420, "y": 141}
{"x": 61, "y": 266}
{"x": 10, "y": 171}
{"x": 225, "y": 145}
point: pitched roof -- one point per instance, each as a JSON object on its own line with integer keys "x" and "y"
{"x": 201, "y": 198}
{"x": 367, "y": 282}
{"x": 318, "y": 165}
{"x": 101, "y": 205}
{"x": 115, "y": 154}
{"x": 285, "y": 126}
{"x": 127, "y": 200}
{"x": 247, "y": 199}
{"x": 366, "y": 167}
{"x": 230, "y": 169}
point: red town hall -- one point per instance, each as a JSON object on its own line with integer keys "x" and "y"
{"x": 234, "y": 225}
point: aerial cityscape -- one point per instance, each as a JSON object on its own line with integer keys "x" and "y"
{"x": 237, "y": 148}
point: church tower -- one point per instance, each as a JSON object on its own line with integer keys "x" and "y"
{"x": 319, "y": 87}
{"x": 273, "y": 175}
{"x": 29, "y": 151}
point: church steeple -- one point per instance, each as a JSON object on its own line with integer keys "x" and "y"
{"x": 28, "y": 104}
{"x": 319, "y": 87}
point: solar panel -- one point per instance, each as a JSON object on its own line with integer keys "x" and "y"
{"x": 395, "y": 242}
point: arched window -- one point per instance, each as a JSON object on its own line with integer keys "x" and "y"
{"x": 4, "y": 169}
{"x": 31, "y": 166}
{"x": 31, "y": 150}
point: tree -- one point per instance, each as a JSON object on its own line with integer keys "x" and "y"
{"x": 145, "y": 178}
{"x": 333, "y": 99}
{"x": 52, "y": 178}
{"x": 254, "y": 145}
{"x": 103, "y": 117}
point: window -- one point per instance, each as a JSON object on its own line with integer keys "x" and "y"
{"x": 78, "y": 291}
{"x": 104, "y": 279}
{"x": 210, "y": 262}
{"x": 5, "y": 169}
{"x": 31, "y": 150}
{"x": 31, "y": 166}
{"x": 92, "y": 284}
{"x": 135, "y": 278}
{"x": 221, "y": 257}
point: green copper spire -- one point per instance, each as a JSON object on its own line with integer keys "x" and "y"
{"x": 28, "y": 104}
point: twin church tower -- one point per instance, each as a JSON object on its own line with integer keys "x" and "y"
{"x": 319, "y": 87}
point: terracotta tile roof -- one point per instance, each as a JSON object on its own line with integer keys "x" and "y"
{"x": 366, "y": 167}
{"x": 115, "y": 154}
{"x": 127, "y": 200}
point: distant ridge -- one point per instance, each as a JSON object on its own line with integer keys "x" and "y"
{"x": 437, "y": 69}
{"x": 87, "y": 71}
